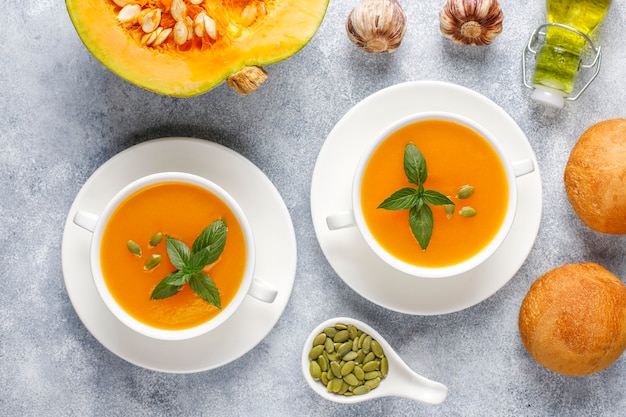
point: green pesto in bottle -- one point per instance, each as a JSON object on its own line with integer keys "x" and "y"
{"x": 558, "y": 60}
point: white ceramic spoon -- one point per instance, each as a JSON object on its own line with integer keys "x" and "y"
{"x": 400, "y": 381}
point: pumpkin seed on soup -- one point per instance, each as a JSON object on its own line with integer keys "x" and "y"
{"x": 152, "y": 262}
{"x": 467, "y": 211}
{"x": 133, "y": 247}
{"x": 465, "y": 191}
{"x": 347, "y": 361}
{"x": 155, "y": 239}
{"x": 449, "y": 208}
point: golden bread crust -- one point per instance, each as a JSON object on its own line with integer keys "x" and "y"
{"x": 595, "y": 177}
{"x": 573, "y": 319}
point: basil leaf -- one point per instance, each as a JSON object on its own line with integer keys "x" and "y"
{"x": 177, "y": 251}
{"x": 197, "y": 262}
{"x": 436, "y": 198}
{"x": 164, "y": 290}
{"x": 213, "y": 238}
{"x": 176, "y": 278}
{"x": 403, "y": 199}
{"x": 414, "y": 165}
{"x": 419, "y": 204}
{"x": 203, "y": 285}
{"x": 421, "y": 222}
{"x": 417, "y": 200}
{"x": 206, "y": 249}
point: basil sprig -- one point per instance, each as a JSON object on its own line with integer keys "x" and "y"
{"x": 416, "y": 200}
{"x": 190, "y": 263}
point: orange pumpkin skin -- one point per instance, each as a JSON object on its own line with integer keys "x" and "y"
{"x": 278, "y": 32}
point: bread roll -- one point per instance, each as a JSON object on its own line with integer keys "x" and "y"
{"x": 595, "y": 177}
{"x": 573, "y": 319}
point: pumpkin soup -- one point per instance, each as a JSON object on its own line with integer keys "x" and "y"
{"x": 182, "y": 211}
{"x": 455, "y": 156}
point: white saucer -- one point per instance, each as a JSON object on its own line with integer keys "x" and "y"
{"x": 347, "y": 251}
{"x": 271, "y": 225}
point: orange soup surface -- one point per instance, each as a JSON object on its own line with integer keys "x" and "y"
{"x": 181, "y": 211}
{"x": 455, "y": 156}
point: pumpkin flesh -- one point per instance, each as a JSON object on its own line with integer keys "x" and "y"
{"x": 200, "y": 64}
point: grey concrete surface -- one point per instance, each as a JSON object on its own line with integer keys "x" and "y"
{"x": 63, "y": 114}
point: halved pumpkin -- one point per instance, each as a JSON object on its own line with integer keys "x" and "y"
{"x": 186, "y": 47}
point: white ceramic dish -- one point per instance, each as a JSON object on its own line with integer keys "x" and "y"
{"x": 401, "y": 380}
{"x": 346, "y": 250}
{"x": 271, "y": 226}
{"x": 524, "y": 166}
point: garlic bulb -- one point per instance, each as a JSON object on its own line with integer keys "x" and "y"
{"x": 471, "y": 22}
{"x": 377, "y": 25}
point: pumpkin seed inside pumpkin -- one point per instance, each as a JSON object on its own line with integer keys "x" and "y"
{"x": 194, "y": 23}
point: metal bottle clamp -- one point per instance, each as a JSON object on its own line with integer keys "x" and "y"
{"x": 597, "y": 59}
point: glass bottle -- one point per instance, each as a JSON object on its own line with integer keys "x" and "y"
{"x": 566, "y": 36}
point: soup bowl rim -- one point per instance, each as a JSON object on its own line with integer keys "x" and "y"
{"x": 450, "y": 270}
{"x": 109, "y": 300}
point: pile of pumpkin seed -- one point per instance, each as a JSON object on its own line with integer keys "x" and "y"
{"x": 347, "y": 360}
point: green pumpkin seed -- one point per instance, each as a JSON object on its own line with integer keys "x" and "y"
{"x": 347, "y": 360}
{"x": 369, "y": 357}
{"x": 467, "y": 211}
{"x": 335, "y": 368}
{"x": 322, "y": 361}
{"x": 315, "y": 352}
{"x": 367, "y": 344}
{"x": 324, "y": 378}
{"x": 344, "y": 388}
{"x": 372, "y": 383}
{"x": 361, "y": 339}
{"x": 319, "y": 339}
{"x": 371, "y": 375}
{"x": 152, "y": 262}
{"x": 449, "y": 208}
{"x": 332, "y": 356}
{"x": 336, "y": 385}
{"x": 330, "y": 332}
{"x": 329, "y": 386}
{"x": 377, "y": 349}
{"x": 341, "y": 336}
{"x": 329, "y": 346}
{"x": 347, "y": 368}
{"x": 344, "y": 348}
{"x": 384, "y": 367}
{"x": 155, "y": 239}
{"x": 315, "y": 370}
{"x": 361, "y": 390}
{"x": 353, "y": 331}
{"x": 359, "y": 373}
{"x": 351, "y": 379}
{"x": 355, "y": 344}
{"x": 133, "y": 247}
{"x": 371, "y": 366}
{"x": 465, "y": 191}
